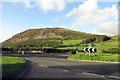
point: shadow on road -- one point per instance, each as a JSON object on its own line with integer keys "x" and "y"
{"x": 70, "y": 66}
{"x": 37, "y": 55}
{"x": 102, "y": 69}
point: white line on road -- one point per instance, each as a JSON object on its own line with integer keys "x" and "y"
{"x": 90, "y": 73}
{"x": 43, "y": 66}
{"x": 65, "y": 70}
{"x": 103, "y": 76}
{"x": 95, "y": 75}
{"x": 115, "y": 77}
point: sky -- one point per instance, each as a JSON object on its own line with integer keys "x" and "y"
{"x": 90, "y": 16}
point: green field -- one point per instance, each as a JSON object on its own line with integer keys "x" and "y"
{"x": 100, "y": 46}
{"x": 12, "y": 66}
{"x": 72, "y": 42}
{"x": 106, "y": 45}
{"x": 99, "y": 56}
{"x": 96, "y": 57}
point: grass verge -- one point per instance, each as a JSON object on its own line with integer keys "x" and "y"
{"x": 12, "y": 66}
{"x": 96, "y": 57}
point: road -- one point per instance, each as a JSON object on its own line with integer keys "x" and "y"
{"x": 58, "y": 67}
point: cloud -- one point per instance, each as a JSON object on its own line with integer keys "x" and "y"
{"x": 109, "y": 28}
{"x": 47, "y": 5}
{"x": 44, "y": 5}
{"x": 88, "y": 13}
{"x": 97, "y": 16}
{"x": 27, "y": 3}
{"x": 87, "y": 7}
{"x": 15, "y": 1}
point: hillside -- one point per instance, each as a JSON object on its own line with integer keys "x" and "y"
{"x": 44, "y": 33}
{"x": 48, "y": 37}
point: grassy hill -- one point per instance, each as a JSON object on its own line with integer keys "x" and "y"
{"x": 51, "y": 37}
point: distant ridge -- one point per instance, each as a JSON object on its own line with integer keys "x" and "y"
{"x": 44, "y": 33}
{"x": 34, "y": 36}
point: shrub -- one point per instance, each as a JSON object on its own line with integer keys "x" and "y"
{"x": 112, "y": 50}
{"x": 105, "y": 38}
{"x": 96, "y": 38}
{"x": 91, "y": 39}
{"x": 54, "y": 50}
{"x": 92, "y": 44}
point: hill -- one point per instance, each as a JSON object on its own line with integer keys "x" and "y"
{"x": 49, "y": 37}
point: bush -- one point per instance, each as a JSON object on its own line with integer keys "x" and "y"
{"x": 106, "y": 38}
{"x": 96, "y": 38}
{"x": 112, "y": 50}
{"x": 54, "y": 50}
{"x": 92, "y": 44}
{"x": 91, "y": 39}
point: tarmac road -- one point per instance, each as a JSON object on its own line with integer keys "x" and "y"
{"x": 58, "y": 67}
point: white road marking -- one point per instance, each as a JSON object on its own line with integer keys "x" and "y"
{"x": 43, "y": 66}
{"x": 65, "y": 70}
{"x": 90, "y": 73}
{"x": 104, "y": 76}
{"x": 112, "y": 77}
{"x": 61, "y": 69}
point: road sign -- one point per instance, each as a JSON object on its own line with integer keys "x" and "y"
{"x": 90, "y": 50}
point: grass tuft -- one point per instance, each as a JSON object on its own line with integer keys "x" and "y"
{"x": 96, "y": 57}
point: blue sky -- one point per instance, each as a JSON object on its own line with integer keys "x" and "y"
{"x": 87, "y": 16}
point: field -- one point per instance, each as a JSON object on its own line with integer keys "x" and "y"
{"x": 11, "y": 66}
{"x": 109, "y": 47}
{"x": 72, "y": 42}
{"x": 100, "y": 46}
{"x": 106, "y": 45}
{"x": 96, "y": 57}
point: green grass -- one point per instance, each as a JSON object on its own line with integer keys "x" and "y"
{"x": 11, "y": 66}
{"x": 96, "y": 57}
{"x": 106, "y": 45}
{"x": 72, "y": 42}
{"x": 100, "y": 46}
{"x": 66, "y": 48}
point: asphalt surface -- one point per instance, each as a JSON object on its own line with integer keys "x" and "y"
{"x": 52, "y": 66}
{"x": 55, "y": 66}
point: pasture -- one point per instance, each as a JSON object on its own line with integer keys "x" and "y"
{"x": 96, "y": 57}
{"x": 99, "y": 55}
{"x": 12, "y": 66}
{"x": 100, "y": 46}
{"x": 72, "y": 42}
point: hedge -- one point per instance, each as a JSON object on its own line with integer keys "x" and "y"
{"x": 112, "y": 50}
